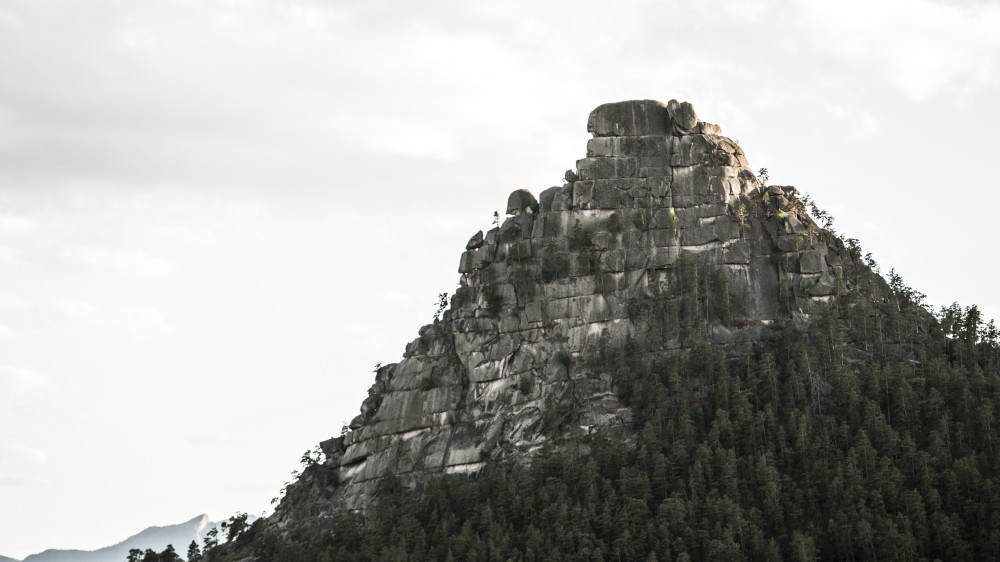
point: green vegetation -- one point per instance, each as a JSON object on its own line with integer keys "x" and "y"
{"x": 525, "y": 385}
{"x": 564, "y": 356}
{"x": 869, "y": 433}
{"x": 168, "y": 555}
{"x": 555, "y": 265}
{"x": 494, "y": 300}
{"x": 639, "y": 219}
{"x": 673, "y": 223}
{"x": 615, "y": 223}
{"x": 579, "y": 238}
{"x": 796, "y": 450}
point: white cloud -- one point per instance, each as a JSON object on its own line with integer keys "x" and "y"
{"x": 134, "y": 320}
{"x": 921, "y": 48}
{"x": 23, "y": 384}
{"x": 862, "y": 125}
{"x": 200, "y": 236}
{"x": 6, "y": 334}
{"x": 116, "y": 260}
{"x": 12, "y": 300}
{"x": 15, "y": 226}
{"x": 21, "y": 465}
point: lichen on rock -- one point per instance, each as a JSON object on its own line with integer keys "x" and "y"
{"x": 661, "y": 234}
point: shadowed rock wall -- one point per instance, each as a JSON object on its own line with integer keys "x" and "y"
{"x": 512, "y": 364}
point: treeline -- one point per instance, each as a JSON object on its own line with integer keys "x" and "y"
{"x": 869, "y": 434}
{"x": 872, "y": 434}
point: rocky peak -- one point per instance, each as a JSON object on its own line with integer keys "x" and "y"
{"x": 662, "y": 237}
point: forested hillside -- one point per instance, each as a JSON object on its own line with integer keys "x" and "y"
{"x": 867, "y": 432}
{"x": 662, "y": 359}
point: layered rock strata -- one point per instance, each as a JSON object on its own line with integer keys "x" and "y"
{"x": 662, "y": 207}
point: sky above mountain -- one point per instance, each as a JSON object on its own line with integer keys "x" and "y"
{"x": 217, "y": 216}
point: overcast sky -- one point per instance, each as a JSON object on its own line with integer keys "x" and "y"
{"x": 217, "y": 216}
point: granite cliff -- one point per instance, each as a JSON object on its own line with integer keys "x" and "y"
{"x": 661, "y": 231}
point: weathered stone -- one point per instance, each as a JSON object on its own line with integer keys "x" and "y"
{"x": 562, "y": 200}
{"x": 533, "y": 312}
{"x": 709, "y": 129}
{"x": 648, "y": 146}
{"x": 648, "y": 172}
{"x": 659, "y": 186}
{"x": 467, "y": 261}
{"x": 521, "y": 201}
{"x": 629, "y": 118}
{"x": 475, "y": 242}
{"x": 683, "y": 117}
{"x": 654, "y": 198}
{"x": 605, "y": 196}
{"x": 736, "y": 252}
{"x": 545, "y": 199}
{"x": 813, "y": 261}
{"x": 606, "y": 168}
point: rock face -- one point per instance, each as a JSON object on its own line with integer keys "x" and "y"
{"x": 662, "y": 222}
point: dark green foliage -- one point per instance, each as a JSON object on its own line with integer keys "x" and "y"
{"x": 871, "y": 434}
{"x": 555, "y": 265}
{"x": 524, "y": 384}
{"x": 149, "y": 555}
{"x": 427, "y": 383}
{"x": 615, "y": 223}
{"x": 494, "y": 300}
{"x": 683, "y": 298}
{"x": 525, "y": 282}
{"x": 673, "y": 223}
{"x": 511, "y": 233}
{"x": 640, "y": 219}
{"x": 193, "y": 552}
{"x": 563, "y": 356}
{"x": 579, "y": 239}
{"x": 590, "y": 263}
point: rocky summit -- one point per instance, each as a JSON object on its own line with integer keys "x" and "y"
{"x": 661, "y": 227}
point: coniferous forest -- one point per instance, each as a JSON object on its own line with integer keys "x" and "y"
{"x": 866, "y": 433}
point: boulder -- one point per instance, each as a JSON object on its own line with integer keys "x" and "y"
{"x": 683, "y": 117}
{"x": 475, "y": 242}
{"x": 629, "y": 118}
{"x": 521, "y": 201}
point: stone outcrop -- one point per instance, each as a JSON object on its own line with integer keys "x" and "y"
{"x": 521, "y": 201}
{"x": 662, "y": 206}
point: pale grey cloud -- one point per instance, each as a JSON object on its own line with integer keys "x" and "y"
{"x": 21, "y": 465}
{"x": 23, "y": 384}
{"x": 14, "y": 300}
{"x": 116, "y": 260}
{"x": 137, "y": 321}
{"x": 271, "y": 192}
{"x": 921, "y": 48}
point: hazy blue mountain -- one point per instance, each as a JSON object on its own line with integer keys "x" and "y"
{"x": 8, "y": 559}
{"x": 156, "y": 538}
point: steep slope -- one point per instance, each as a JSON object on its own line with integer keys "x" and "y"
{"x": 662, "y": 227}
{"x": 663, "y": 359}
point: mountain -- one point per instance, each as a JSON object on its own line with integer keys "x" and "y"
{"x": 154, "y": 538}
{"x": 655, "y": 204}
{"x": 8, "y": 559}
{"x": 664, "y": 358}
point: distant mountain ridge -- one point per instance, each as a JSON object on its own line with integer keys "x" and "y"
{"x": 155, "y": 538}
